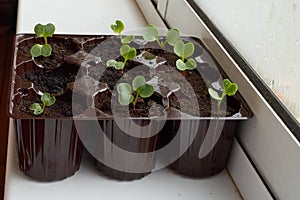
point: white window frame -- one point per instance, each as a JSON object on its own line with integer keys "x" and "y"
{"x": 271, "y": 147}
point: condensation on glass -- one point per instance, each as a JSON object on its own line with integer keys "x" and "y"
{"x": 267, "y": 34}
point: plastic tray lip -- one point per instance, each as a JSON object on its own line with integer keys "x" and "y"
{"x": 247, "y": 113}
{"x": 131, "y": 118}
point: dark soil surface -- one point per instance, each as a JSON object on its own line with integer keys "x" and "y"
{"x": 60, "y": 71}
{"x": 112, "y": 76}
{"x": 61, "y": 48}
{"x": 63, "y": 106}
{"x": 141, "y": 109}
{"x": 52, "y": 81}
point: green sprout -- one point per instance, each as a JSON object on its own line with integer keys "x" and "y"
{"x": 151, "y": 35}
{"x": 47, "y": 100}
{"x": 127, "y": 52}
{"x": 184, "y": 51}
{"x": 229, "y": 89}
{"x": 44, "y": 31}
{"x": 117, "y": 28}
{"x": 139, "y": 86}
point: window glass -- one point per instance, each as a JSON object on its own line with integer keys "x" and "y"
{"x": 267, "y": 34}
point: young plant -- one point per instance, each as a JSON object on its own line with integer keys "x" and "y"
{"x": 185, "y": 50}
{"x": 47, "y": 100}
{"x": 127, "y": 52}
{"x": 151, "y": 35}
{"x": 229, "y": 89}
{"x": 139, "y": 86}
{"x": 44, "y": 31}
{"x": 117, "y": 28}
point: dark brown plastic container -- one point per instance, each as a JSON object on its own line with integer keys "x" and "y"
{"x": 50, "y": 148}
{"x": 131, "y": 167}
{"x": 214, "y": 138}
{"x": 191, "y": 164}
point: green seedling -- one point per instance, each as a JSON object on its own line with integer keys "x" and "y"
{"x": 151, "y": 35}
{"x": 117, "y": 28}
{"x": 139, "y": 86}
{"x": 44, "y": 31}
{"x": 229, "y": 89}
{"x": 185, "y": 50}
{"x": 127, "y": 52}
{"x": 47, "y": 100}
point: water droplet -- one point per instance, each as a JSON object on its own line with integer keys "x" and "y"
{"x": 272, "y": 83}
{"x": 258, "y": 46}
{"x": 270, "y": 39}
{"x": 199, "y": 59}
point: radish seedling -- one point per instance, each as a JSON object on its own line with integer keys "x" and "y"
{"x": 139, "y": 86}
{"x": 117, "y": 28}
{"x": 185, "y": 50}
{"x": 47, "y": 100}
{"x": 229, "y": 89}
{"x": 151, "y": 35}
{"x": 44, "y": 31}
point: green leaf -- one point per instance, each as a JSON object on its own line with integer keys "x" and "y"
{"x": 191, "y": 64}
{"x": 151, "y": 33}
{"x": 127, "y": 52}
{"x": 179, "y": 48}
{"x": 119, "y": 65}
{"x": 214, "y": 94}
{"x": 188, "y": 49}
{"x": 184, "y": 50}
{"x": 124, "y": 90}
{"x": 46, "y": 50}
{"x": 229, "y": 87}
{"x": 44, "y": 30}
{"x": 124, "y": 87}
{"x": 49, "y": 30}
{"x": 127, "y": 39}
{"x": 118, "y": 27}
{"x": 172, "y": 37}
{"x": 111, "y": 63}
{"x": 115, "y": 64}
{"x": 146, "y": 91}
{"x": 39, "y": 30}
{"x": 180, "y": 65}
{"x": 36, "y": 108}
{"x": 47, "y": 99}
{"x": 138, "y": 82}
{"x": 36, "y": 50}
{"x": 125, "y": 98}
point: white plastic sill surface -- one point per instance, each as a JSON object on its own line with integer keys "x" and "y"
{"x": 94, "y": 17}
{"x": 78, "y": 17}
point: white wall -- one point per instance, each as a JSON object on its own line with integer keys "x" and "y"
{"x": 267, "y": 34}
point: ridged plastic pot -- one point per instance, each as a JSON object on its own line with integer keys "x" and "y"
{"x": 119, "y": 139}
{"x": 48, "y": 149}
{"x": 121, "y": 154}
{"x": 191, "y": 163}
